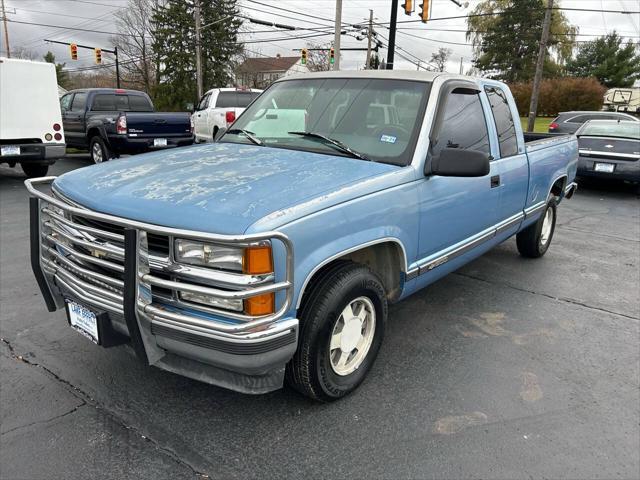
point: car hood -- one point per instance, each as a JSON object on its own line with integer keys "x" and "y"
{"x": 219, "y": 188}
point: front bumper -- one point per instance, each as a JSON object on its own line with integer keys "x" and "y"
{"x": 243, "y": 354}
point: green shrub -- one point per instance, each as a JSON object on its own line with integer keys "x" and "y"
{"x": 560, "y": 95}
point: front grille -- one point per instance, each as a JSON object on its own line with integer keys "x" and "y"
{"x": 86, "y": 257}
{"x": 158, "y": 244}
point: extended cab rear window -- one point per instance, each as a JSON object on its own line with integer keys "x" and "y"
{"x": 110, "y": 102}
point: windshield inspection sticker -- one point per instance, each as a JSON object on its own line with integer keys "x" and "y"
{"x": 388, "y": 139}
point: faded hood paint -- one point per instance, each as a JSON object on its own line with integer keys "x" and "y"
{"x": 219, "y": 188}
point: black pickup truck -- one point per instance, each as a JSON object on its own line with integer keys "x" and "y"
{"x": 109, "y": 122}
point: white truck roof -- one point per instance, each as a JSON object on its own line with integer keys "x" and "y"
{"x": 29, "y": 105}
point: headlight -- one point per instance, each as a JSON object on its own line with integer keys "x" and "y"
{"x": 210, "y": 301}
{"x": 209, "y": 255}
{"x": 251, "y": 260}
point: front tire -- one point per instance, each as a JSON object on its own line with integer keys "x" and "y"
{"x": 34, "y": 171}
{"x": 534, "y": 241}
{"x": 99, "y": 150}
{"x": 342, "y": 324}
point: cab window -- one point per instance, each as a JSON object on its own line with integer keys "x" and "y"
{"x": 79, "y": 102}
{"x": 462, "y": 124}
{"x": 503, "y": 119}
{"x": 65, "y": 102}
{"x": 204, "y": 102}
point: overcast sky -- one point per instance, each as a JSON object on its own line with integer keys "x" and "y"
{"x": 421, "y": 41}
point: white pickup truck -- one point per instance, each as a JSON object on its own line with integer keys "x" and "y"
{"x": 218, "y": 108}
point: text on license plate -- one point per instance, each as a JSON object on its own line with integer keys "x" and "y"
{"x": 604, "y": 167}
{"x": 159, "y": 142}
{"x": 83, "y": 320}
{"x": 6, "y": 150}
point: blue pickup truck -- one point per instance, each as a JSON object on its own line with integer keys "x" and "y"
{"x": 273, "y": 254}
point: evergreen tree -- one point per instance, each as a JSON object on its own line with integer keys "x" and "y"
{"x": 174, "y": 48}
{"x": 613, "y": 64}
{"x": 506, "y": 45}
{"x": 61, "y": 76}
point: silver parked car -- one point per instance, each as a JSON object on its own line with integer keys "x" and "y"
{"x": 569, "y": 122}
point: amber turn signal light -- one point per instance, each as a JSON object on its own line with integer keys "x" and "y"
{"x": 257, "y": 260}
{"x": 260, "y": 304}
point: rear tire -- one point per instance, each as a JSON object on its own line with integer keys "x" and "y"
{"x": 34, "y": 171}
{"x": 213, "y": 134}
{"x": 342, "y": 323}
{"x": 98, "y": 150}
{"x": 534, "y": 241}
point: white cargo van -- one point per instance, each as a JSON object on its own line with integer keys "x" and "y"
{"x": 31, "y": 132}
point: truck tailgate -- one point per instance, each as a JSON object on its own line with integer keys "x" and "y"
{"x": 154, "y": 124}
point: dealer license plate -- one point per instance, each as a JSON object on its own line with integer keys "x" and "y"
{"x": 159, "y": 142}
{"x": 604, "y": 167}
{"x": 83, "y": 320}
{"x": 6, "y": 150}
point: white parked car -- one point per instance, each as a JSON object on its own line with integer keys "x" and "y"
{"x": 218, "y": 108}
{"x": 31, "y": 132}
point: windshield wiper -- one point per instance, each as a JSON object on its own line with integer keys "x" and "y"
{"x": 333, "y": 142}
{"x": 250, "y": 135}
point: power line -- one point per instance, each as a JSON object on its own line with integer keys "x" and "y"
{"x": 474, "y": 15}
{"x": 71, "y": 28}
{"x": 307, "y": 15}
{"x": 94, "y": 3}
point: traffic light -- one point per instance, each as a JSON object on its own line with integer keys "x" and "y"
{"x": 424, "y": 13}
{"x": 98, "y": 55}
{"x": 408, "y": 7}
{"x": 74, "y": 51}
{"x": 303, "y": 56}
{"x": 332, "y": 56}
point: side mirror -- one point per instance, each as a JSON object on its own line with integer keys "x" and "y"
{"x": 190, "y": 107}
{"x": 221, "y": 131}
{"x": 454, "y": 162}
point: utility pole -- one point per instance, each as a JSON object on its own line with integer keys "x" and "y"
{"x": 460, "y": 65}
{"x": 369, "y": 35}
{"x": 6, "y": 31}
{"x": 336, "y": 38}
{"x": 533, "y": 107}
{"x": 198, "y": 50}
{"x": 115, "y": 52}
{"x": 392, "y": 34}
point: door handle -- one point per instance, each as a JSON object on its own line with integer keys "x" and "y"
{"x": 495, "y": 181}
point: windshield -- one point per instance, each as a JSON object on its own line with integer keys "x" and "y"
{"x": 612, "y": 129}
{"x": 378, "y": 119}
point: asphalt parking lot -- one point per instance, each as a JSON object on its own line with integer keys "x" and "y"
{"x": 509, "y": 368}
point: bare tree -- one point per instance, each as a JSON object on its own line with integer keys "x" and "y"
{"x": 23, "y": 53}
{"x": 134, "y": 43}
{"x": 318, "y": 60}
{"x": 439, "y": 59}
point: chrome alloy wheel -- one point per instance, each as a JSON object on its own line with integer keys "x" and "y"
{"x": 96, "y": 153}
{"x": 352, "y": 336}
{"x": 547, "y": 223}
